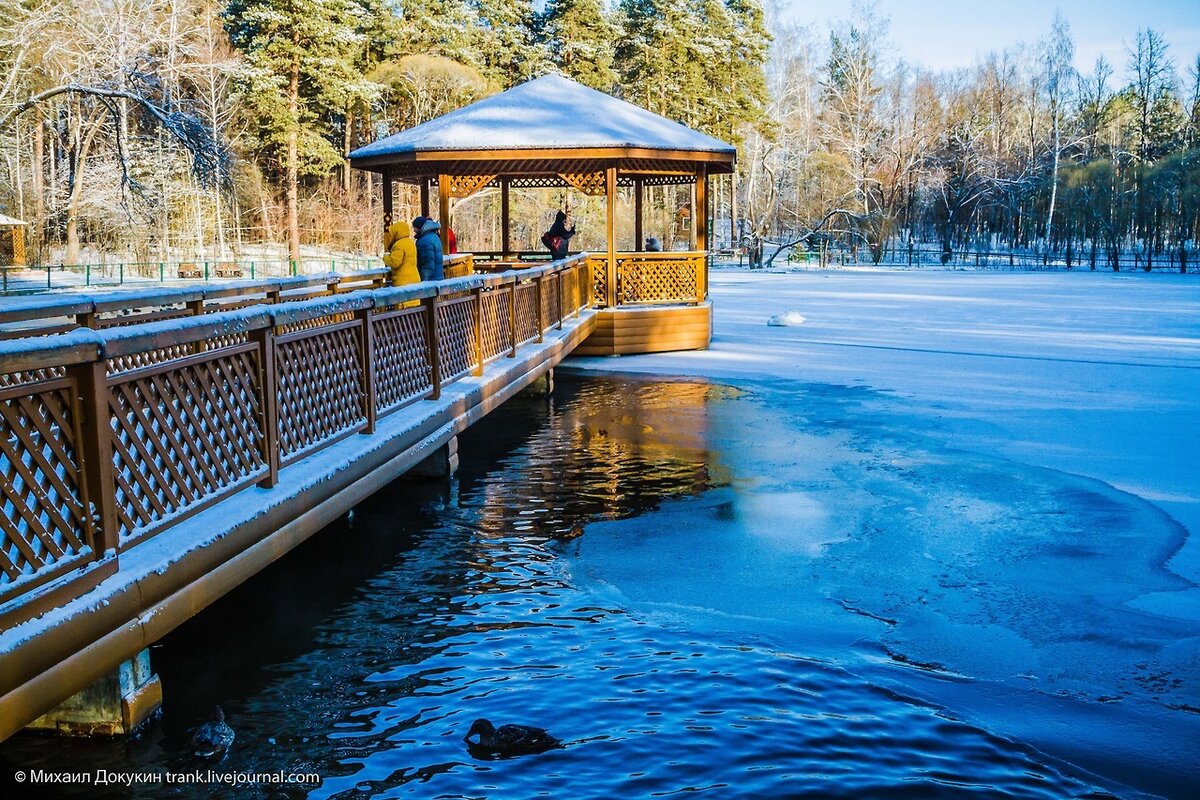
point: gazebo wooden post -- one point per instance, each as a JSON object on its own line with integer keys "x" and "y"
{"x": 444, "y": 210}
{"x": 700, "y": 214}
{"x": 610, "y": 191}
{"x": 387, "y": 199}
{"x": 637, "y": 215}
{"x": 424, "y": 197}
{"x": 504, "y": 234}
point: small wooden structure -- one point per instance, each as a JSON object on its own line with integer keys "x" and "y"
{"x": 554, "y": 132}
{"x": 13, "y": 251}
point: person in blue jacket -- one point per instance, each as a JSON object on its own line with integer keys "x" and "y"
{"x": 429, "y": 251}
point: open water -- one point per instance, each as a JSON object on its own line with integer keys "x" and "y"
{"x": 703, "y": 592}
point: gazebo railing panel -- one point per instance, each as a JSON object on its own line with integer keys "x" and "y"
{"x": 109, "y": 437}
{"x": 660, "y": 278}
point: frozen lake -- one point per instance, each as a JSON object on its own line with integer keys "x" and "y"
{"x": 930, "y": 539}
{"x": 998, "y": 470}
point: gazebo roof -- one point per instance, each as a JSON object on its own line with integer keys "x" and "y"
{"x": 551, "y": 118}
{"x": 11, "y": 222}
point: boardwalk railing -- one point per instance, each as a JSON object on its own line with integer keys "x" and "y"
{"x": 41, "y": 315}
{"x": 119, "y": 273}
{"x": 108, "y": 437}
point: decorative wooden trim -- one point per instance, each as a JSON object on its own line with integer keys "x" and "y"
{"x": 467, "y": 185}
{"x": 590, "y": 183}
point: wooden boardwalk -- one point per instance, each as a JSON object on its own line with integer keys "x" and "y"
{"x": 146, "y": 469}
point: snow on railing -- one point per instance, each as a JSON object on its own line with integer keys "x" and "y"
{"x": 41, "y": 315}
{"x": 109, "y": 436}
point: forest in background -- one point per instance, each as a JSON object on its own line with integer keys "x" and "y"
{"x": 155, "y": 129}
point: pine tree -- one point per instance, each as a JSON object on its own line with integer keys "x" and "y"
{"x": 300, "y": 70}
{"x": 581, "y": 40}
{"x": 504, "y": 39}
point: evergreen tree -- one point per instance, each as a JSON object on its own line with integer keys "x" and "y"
{"x": 503, "y": 37}
{"x": 581, "y": 40}
{"x": 299, "y": 71}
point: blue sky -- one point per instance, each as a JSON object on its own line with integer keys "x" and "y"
{"x": 944, "y": 34}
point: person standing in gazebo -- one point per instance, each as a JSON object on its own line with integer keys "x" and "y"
{"x": 429, "y": 251}
{"x": 558, "y": 238}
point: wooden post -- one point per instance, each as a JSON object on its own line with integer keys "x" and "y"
{"x": 96, "y": 454}
{"x": 444, "y": 211}
{"x": 637, "y": 215}
{"x": 366, "y": 361}
{"x": 505, "y": 240}
{"x": 425, "y": 197}
{"x": 478, "y": 333}
{"x": 558, "y": 282}
{"x": 431, "y": 341}
{"x": 700, "y": 214}
{"x": 268, "y": 402}
{"x": 540, "y": 283}
{"x": 512, "y": 319}
{"x": 610, "y": 191}
{"x": 387, "y": 199}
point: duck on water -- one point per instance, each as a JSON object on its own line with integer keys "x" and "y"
{"x": 214, "y": 738}
{"x": 510, "y": 740}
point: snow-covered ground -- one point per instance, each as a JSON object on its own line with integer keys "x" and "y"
{"x": 996, "y": 476}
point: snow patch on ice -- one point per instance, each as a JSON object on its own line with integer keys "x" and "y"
{"x": 786, "y": 319}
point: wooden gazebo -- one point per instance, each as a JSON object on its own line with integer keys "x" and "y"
{"x": 554, "y": 132}
{"x": 12, "y": 251}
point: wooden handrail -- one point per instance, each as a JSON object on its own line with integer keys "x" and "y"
{"x": 138, "y": 427}
{"x": 82, "y": 309}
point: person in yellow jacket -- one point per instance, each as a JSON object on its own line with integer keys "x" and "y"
{"x": 401, "y": 257}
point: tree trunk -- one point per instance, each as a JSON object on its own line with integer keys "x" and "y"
{"x": 292, "y": 167}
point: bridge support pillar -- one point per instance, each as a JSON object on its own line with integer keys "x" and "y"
{"x": 115, "y": 705}
{"x": 443, "y": 463}
{"x": 542, "y": 387}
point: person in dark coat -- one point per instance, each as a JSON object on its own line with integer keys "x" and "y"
{"x": 557, "y": 239}
{"x": 429, "y": 251}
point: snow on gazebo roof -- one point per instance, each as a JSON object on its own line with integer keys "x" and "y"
{"x": 10, "y": 222}
{"x": 547, "y": 113}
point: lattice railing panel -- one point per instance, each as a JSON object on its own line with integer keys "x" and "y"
{"x": 320, "y": 388}
{"x": 456, "y": 337}
{"x": 402, "y": 369}
{"x": 497, "y": 337}
{"x": 570, "y": 291}
{"x": 44, "y": 524}
{"x": 657, "y": 280}
{"x": 599, "y": 267}
{"x": 550, "y": 300}
{"x": 182, "y": 436}
{"x": 527, "y": 312}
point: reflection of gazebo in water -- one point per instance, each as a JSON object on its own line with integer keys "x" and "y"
{"x": 12, "y": 242}
{"x": 554, "y": 132}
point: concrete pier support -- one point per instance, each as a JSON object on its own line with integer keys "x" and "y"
{"x": 443, "y": 463}
{"x": 115, "y": 705}
{"x": 542, "y": 387}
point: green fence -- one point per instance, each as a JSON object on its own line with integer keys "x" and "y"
{"x": 57, "y": 276}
